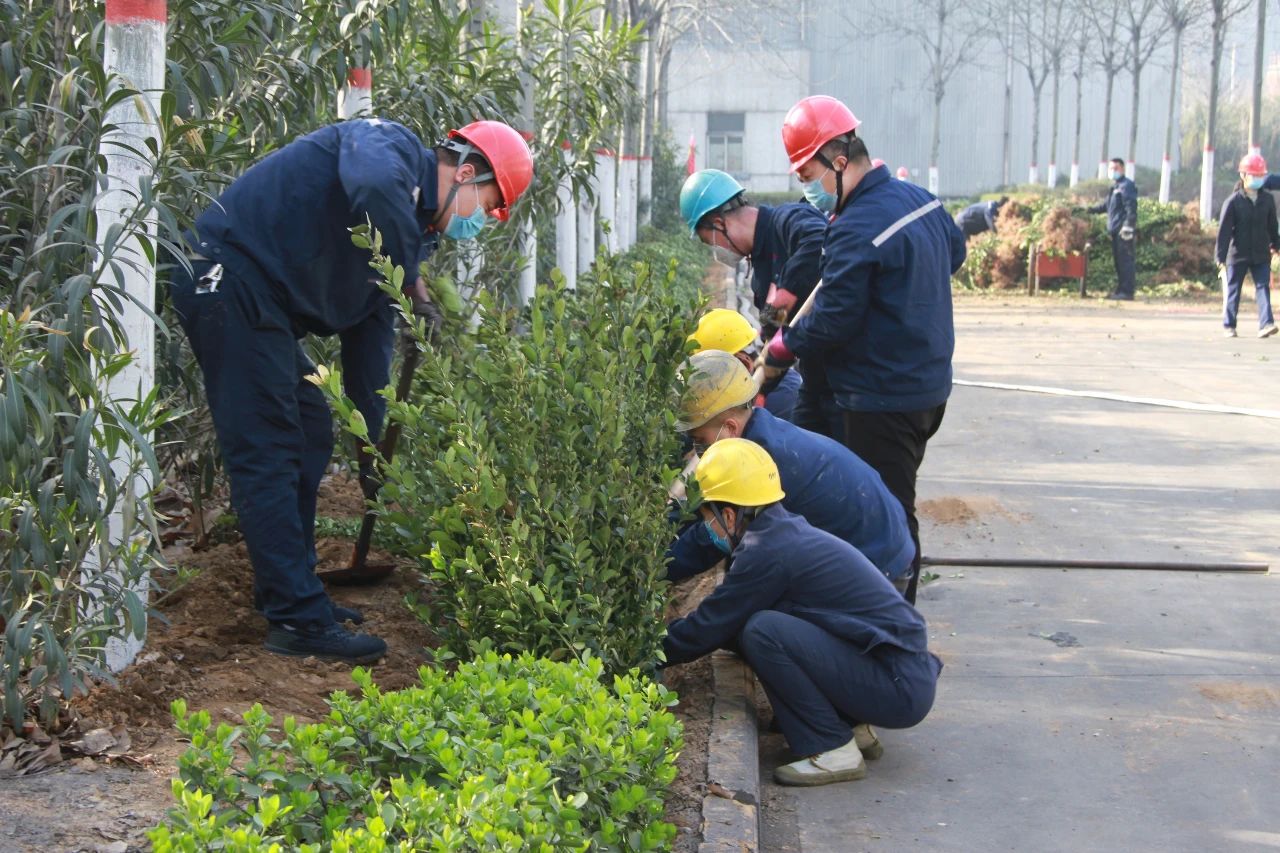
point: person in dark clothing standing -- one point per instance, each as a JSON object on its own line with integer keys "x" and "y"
{"x": 882, "y": 322}
{"x": 784, "y": 247}
{"x": 272, "y": 260}
{"x": 1121, "y": 208}
{"x": 1247, "y": 237}
{"x": 835, "y": 646}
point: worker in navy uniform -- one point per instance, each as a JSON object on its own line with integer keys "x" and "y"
{"x": 784, "y": 247}
{"x": 272, "y": 260}
{"x": 1121, "y": 208}
{"x": 826, "y": 483}
{"x": 882, "y": 322}
{"x": 834, "y": 645}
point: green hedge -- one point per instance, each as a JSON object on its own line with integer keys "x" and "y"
{"x": 505, "y": 754}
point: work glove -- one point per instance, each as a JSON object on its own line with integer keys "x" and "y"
{"x": 779, "y": 305}
{"x": 776, "y": 354}
{"x": 430, "y": 314}
{"x": 1126, "y": 233}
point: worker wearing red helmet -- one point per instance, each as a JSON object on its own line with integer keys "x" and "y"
{"x": 271, "y": 261}
{"x": 1247, "y": 237}
{"x": 881, "y": 324}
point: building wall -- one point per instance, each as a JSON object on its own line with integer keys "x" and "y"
{"x": 761, "y": 84}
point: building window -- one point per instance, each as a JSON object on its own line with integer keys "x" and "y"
{"x": 724, "y": 141}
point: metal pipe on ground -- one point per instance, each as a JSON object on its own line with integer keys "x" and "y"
{"x": 1129, "y": 565}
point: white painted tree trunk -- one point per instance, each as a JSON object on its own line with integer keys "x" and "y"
{"x": 607, "y": 173}
{"x": 134, "y": 53}
{"x": 934, "y": 183}
{"x": 356, "y": 98}
{"x": 567, "y": 228}
{"x": 1166, "y": 179}
{"x": 1033, "y": 174}
{"x": 646, "y": 190}
{"x": 628, "y": 178}
{"x": 1075, "y": 173}
{"x": 1052, "y": 180}
{"x": 587, "y": 226}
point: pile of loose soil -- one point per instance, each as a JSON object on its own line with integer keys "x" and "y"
{"x": 967, "y": 510}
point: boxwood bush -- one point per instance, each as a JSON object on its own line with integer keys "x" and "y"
{"x": 505, "y": 754}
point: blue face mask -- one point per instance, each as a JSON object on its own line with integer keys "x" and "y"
{"x": 468, "y": 227}
{"x": 1254, "y": 182}
{"x": 1114, "y": 175}
{"x": 718, "y": 540}
{"x": 816, "y": 194}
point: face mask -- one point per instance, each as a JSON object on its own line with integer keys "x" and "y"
{"x": 1114, "y": 175}
{"x": 725, "y": 255}
{"x": 816, "y": 194}
{"x": 1254, "y": 182}
{"x": 469, "y": 227}
{"x": 716, "y": 539}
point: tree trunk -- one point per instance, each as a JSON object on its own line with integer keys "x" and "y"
{"x": 1007, "y": 173}
{"x": 1133, "y": 110}
{"x": 1219, "y": 30}
{"x": 1036, "y": 90}
{"x": 1166, "y": 164}
{"x": 1259, "y": 58}
{"x": 1075, "y": 148}
{"x": 1106, "y": 123}
{"x": 1053, "y": 139}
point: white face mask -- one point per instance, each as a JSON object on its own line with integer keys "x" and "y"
{"x": 725, "y": 254}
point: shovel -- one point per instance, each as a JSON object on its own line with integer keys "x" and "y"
{"x": 361, "y": 572}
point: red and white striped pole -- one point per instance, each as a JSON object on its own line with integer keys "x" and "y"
{"x": 356, "y": 97}
{"x": 134, "y": 54}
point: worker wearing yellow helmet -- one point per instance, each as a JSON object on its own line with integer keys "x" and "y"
{"x": 728, "y": 331}
{"x": 835, "y": 646}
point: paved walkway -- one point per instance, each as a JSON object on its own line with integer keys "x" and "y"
{"x": 1086, "y": 710}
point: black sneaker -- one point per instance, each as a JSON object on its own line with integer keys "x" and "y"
{"x": 1123, "y": 297}
{"x": 332, "y": 642}
{"x": 347, "y": 614}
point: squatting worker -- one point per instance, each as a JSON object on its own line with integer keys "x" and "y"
{"x": 826, "y": 484}
{"x": 728, "y": 331}
{"x": 1247, "y": 237}
{"x": 784, "y": 247}
{"x": 835, "y": 646}
{"x": 1121, "y": 208}
{"x": 272, "y": 260}
{"x": 881, "y": 324}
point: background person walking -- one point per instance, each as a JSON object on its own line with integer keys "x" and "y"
{"x": 1247, "y": 237}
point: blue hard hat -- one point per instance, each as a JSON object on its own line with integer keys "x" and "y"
{"x": 705, "y": 191}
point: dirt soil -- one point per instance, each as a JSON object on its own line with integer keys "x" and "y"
{"x": 207, "y": 649}
{"x": 967, "y": 510}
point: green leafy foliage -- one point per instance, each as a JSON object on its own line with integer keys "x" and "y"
{"x": 505, "y": 754}
{"x": 536, "y": 455}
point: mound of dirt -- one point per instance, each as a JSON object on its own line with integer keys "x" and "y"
{"x": 969, "y": 510}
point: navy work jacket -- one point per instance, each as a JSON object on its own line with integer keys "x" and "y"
{"x": 881, "y": 325}
{"x": 787, "y": 250}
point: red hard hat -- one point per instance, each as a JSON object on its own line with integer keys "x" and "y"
{"x": 812, "y": 123}
{"x": 507, "y": 153}
{"x": 1253, "y": 164}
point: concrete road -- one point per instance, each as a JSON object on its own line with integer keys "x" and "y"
{"x": 1086, "y": 710}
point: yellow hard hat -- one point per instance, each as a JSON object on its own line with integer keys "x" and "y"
{"x": 723, "y": 329}
{"x": 717, "y": 382}
{"x": 738, "y": 472}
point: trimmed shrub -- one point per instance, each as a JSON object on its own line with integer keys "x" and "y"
{"x": 505, "y": 754}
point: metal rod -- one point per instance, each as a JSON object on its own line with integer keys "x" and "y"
{"x": 1130, "y": 565}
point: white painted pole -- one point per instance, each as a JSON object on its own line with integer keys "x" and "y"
{"x": 134, "y": 54}
{"x": 1206, "y": 185}
{"x": 607, "y": 170}
{"x": 567, "y": 226}
{"x": 1075, "y": 173}
{"x": 356, "y": 98}
{"x": 587, "y": 226}
{"x": 1166, "y": 179}
{"x": 646, "y": 190}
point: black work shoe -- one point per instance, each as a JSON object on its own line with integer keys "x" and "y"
{"x": 1125, "y": 297}
{"x": 347, "y": 614}
{"x": 332, "y": 642}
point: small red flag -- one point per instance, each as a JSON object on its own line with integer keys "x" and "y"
{"x": 693, "y": 162}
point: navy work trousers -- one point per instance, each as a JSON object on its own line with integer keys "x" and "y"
{"x": 820, "y": 685}
{"x": 273, "y": 427}
{"x": 1122, "y": 252}
{"x": 1234, "y": 280}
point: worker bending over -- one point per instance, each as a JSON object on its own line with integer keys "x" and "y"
{"x": 728, "y": 331}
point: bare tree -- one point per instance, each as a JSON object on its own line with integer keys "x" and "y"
{"x": 1059, "y": 42}
{"x": 1221, "y": 12}
{"x": 1181, "y": 14}
{"x": 1032, "y": 32}
{"x": 1103, "y": 17}
{"x": 1255, "y": 108}
{"x": 1146, "y": 31}
{"x": 1082, "y": 52}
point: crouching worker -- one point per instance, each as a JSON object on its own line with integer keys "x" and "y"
{"x": 728, "y": 331}
{"x": 837, "y": 649}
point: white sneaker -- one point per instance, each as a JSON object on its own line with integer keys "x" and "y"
{"x": 868, "y": 743}
{"x": 1268, "y": 330}
{"x": 1228, "y": 333}
{"x": 843, "y": 764}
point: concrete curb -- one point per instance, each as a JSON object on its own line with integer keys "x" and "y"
{"x": 731, "y": 817}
